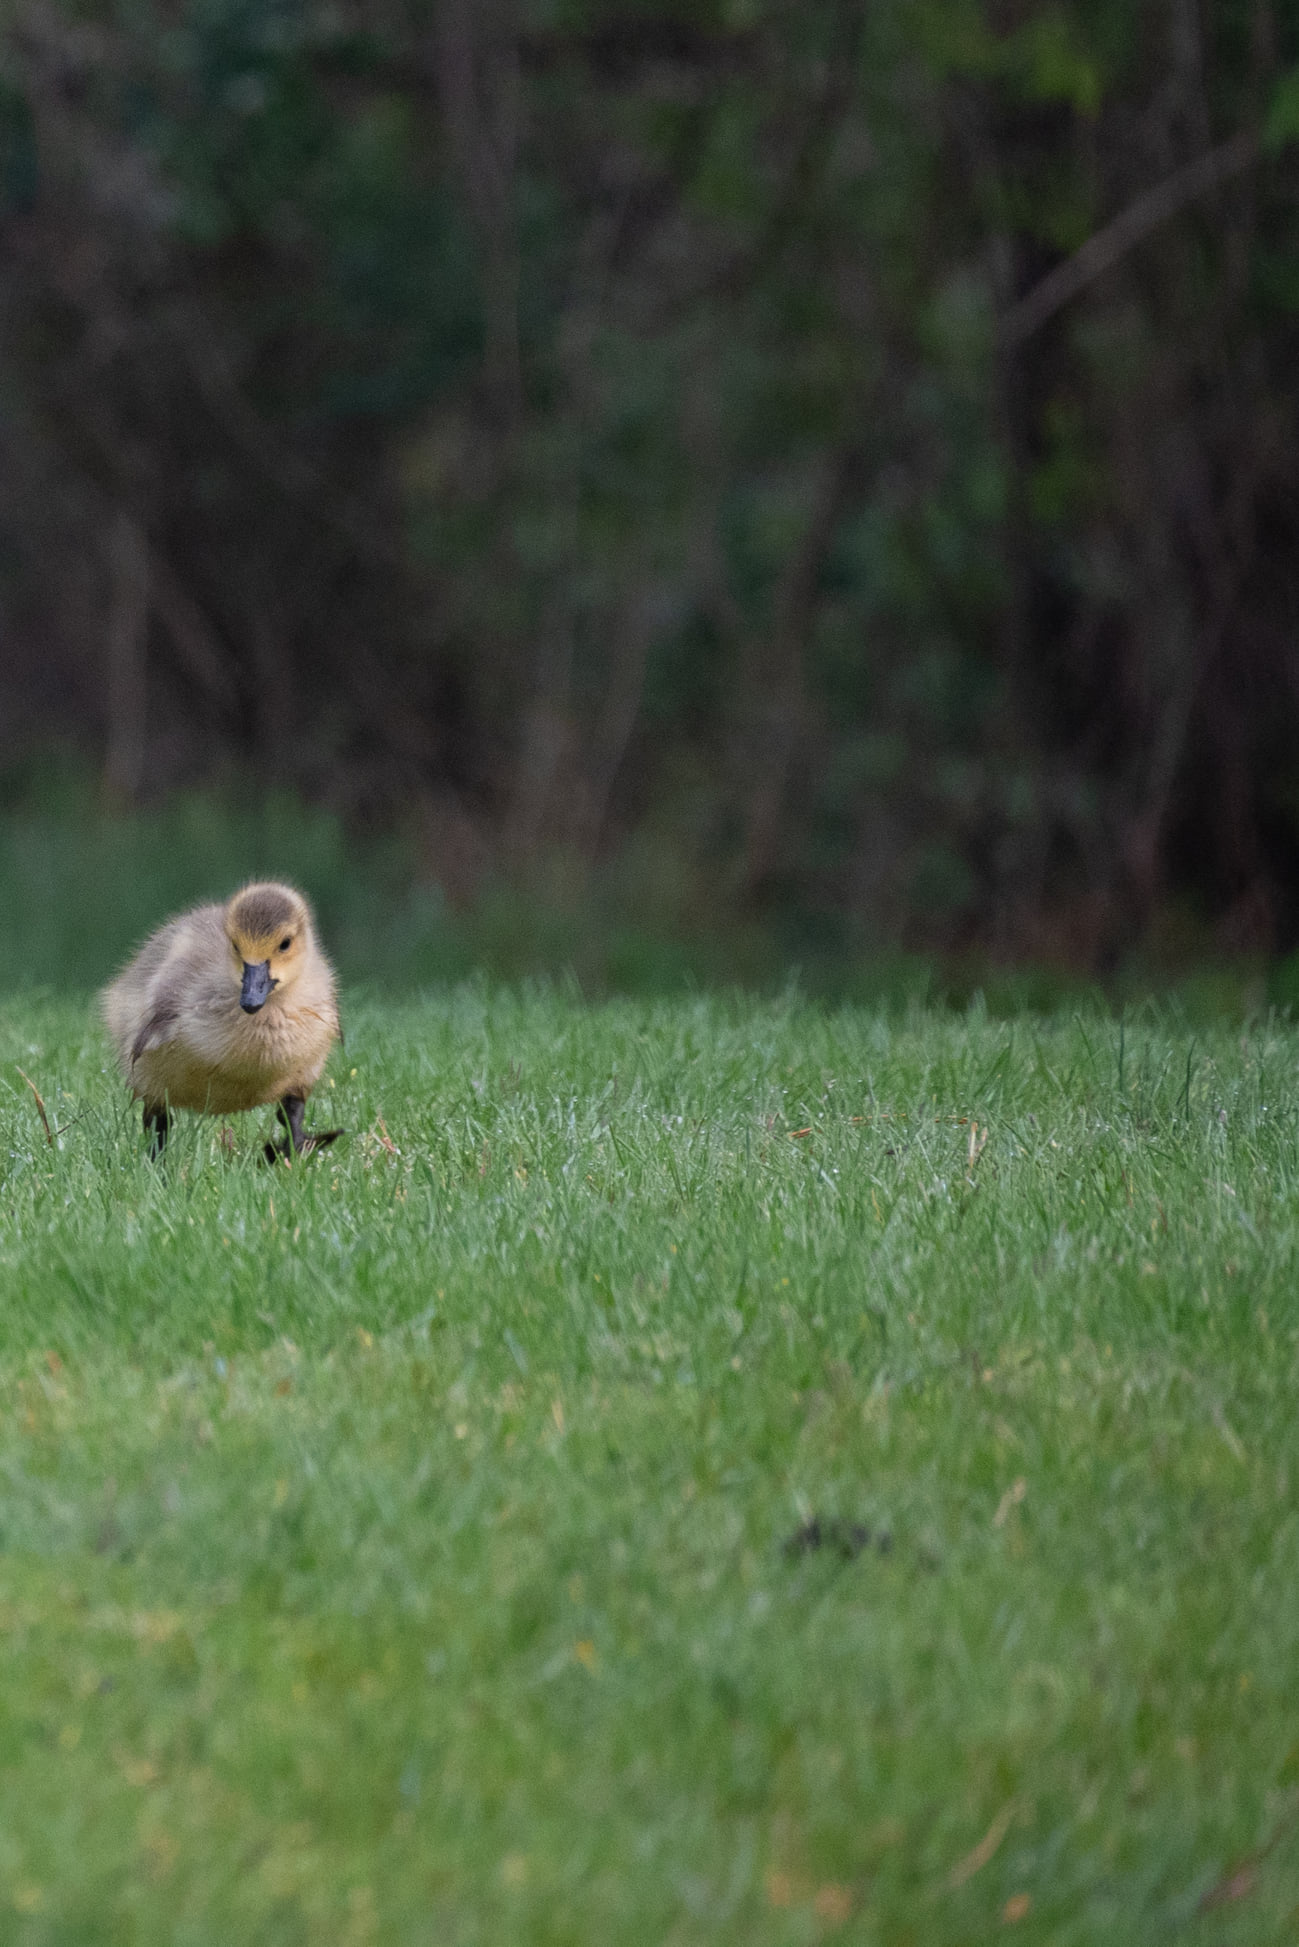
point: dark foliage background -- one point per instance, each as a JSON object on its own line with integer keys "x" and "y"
{"x": 828, "y": 458}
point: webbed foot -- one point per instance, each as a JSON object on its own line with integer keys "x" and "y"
{"x": 311, "y": 1141}
{"x": 297, "y": 1141}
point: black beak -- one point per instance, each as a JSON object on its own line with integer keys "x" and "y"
{"x": 257, "y": 986}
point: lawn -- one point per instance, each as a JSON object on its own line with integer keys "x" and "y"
{"x": 691, "y": 1471}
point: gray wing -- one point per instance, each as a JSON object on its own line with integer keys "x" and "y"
{"x": 164, "y": 972}
{"x": 155, "y": 1029}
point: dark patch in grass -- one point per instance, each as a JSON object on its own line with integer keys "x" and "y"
{"x": 846, "y": 1539}
{"x": 108, "y": 1540}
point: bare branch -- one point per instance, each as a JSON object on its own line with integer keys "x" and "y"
{"x": 192, "y": 635}
{"x": 128, "y": 622}
{"x": 1132, "y": 226}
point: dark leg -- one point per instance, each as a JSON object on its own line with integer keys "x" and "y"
{"x": 297, "y": 1142}
{"x": 157, "y": 1122}
{"x": 291, "y": 1110}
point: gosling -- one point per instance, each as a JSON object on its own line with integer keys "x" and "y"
{"x": 225, "y": 1008}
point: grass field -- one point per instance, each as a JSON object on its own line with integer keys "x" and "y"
{"x": 681, "y": 1472}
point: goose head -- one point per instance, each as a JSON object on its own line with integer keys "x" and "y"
{"x": 271, "y": 939}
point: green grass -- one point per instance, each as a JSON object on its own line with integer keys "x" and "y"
{"x": 393, "y": 1550}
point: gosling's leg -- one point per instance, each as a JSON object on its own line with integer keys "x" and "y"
{"x": 291, "y": 1109}
{"x": 297, "y": 1142}
{"x": 157, "y": 1123}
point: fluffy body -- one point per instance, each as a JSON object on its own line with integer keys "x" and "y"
{"x": 181, "y": 1035}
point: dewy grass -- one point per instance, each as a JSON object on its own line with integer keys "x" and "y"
{"x": 694, "y": 1472}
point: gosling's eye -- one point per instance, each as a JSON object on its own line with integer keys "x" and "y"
{"x": 286, "y": 944}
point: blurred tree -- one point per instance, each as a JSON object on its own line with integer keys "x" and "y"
{"x": 853, "y": 445}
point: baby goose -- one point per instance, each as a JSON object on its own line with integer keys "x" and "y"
{"x": 225, "y": 1008}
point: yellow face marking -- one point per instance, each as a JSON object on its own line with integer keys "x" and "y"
{"x": 281, "y": 948}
